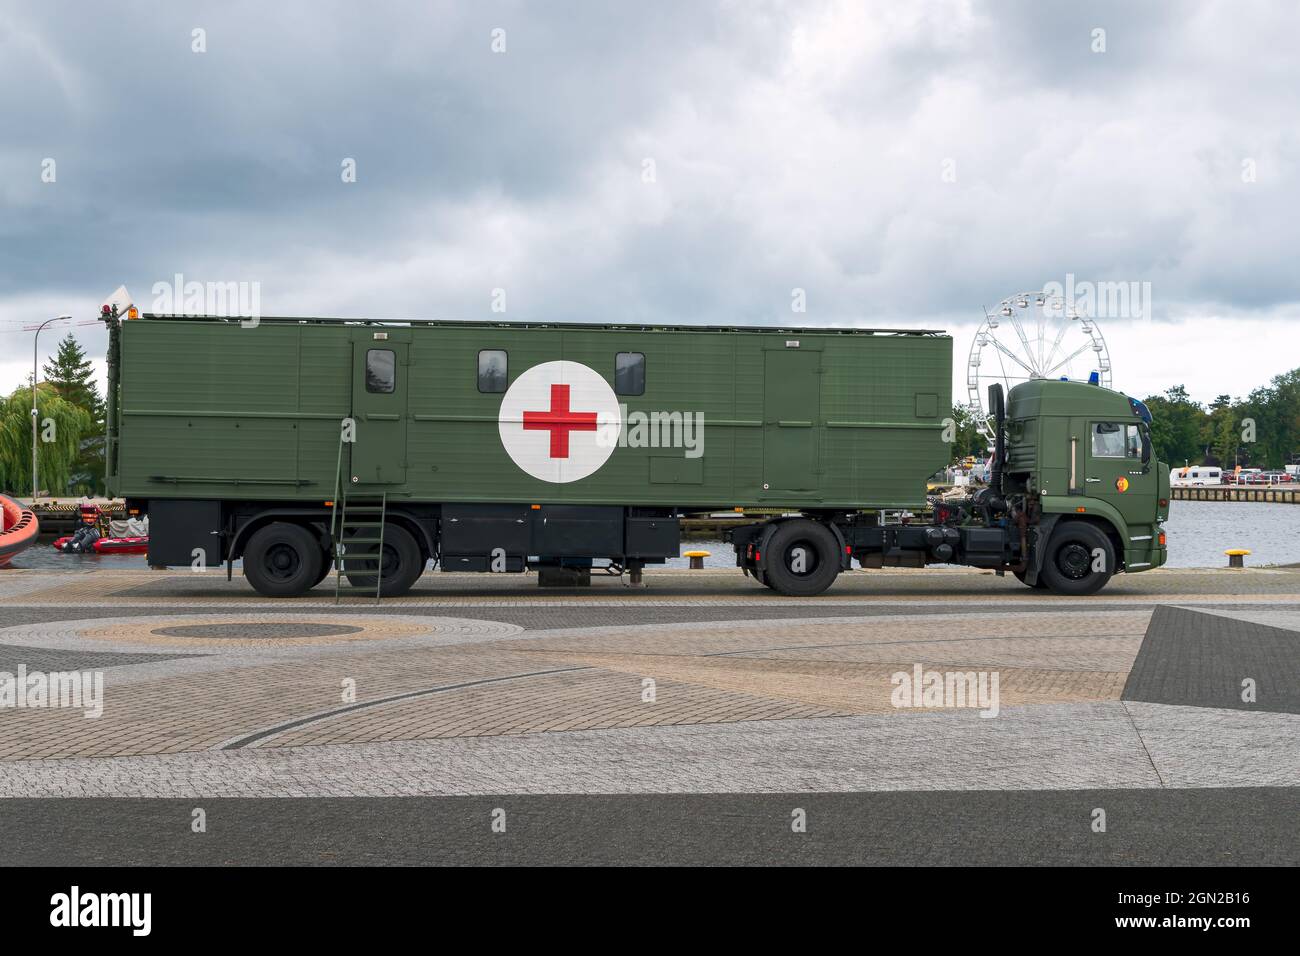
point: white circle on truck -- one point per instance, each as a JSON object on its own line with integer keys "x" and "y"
{"x": 560, "y": 421}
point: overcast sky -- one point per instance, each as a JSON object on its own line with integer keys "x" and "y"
{"x": 902, "y": 163}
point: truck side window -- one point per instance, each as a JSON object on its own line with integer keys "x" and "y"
{"x": 1107, "y": 440}
{"x": 492, "y": 370}
{"x": 629, "y": 373}
{"x": 381, "y": 371}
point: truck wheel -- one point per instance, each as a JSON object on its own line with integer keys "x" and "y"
{"x": 801, "y": 559}
{"x": 283, "y": 560}
{"x": 403, "y": 564}
{"x": 1074, "y": 551}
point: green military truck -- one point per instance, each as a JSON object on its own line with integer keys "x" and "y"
{"x": 305, "y": 445}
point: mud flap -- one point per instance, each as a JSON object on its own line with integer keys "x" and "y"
{"x": 760, "y": 566}
{"x": 1039, "y": 535}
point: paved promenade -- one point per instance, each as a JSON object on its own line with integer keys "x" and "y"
{"x": 698, "y": 683}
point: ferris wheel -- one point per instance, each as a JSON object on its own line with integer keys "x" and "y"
{"x": 1032, "y": 336}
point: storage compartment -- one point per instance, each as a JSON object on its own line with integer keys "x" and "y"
{"x": 577, "y": 530}
{"x": 480, "y": 529}
{"x": 984, "y": 547}
{"x": 178, "y": 528}
{"x": 509, "y": 563}
{"x": 653, "y": 537}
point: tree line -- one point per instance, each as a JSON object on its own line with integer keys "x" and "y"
{"x": 70, "y": 429}
{"x": 1261, "y": 430}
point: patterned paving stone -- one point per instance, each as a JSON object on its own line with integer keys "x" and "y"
{"x": 577, "y": 700}
{"x": 54, "y": 659}
{"x": 1055, "y": 747}
{"x": 663, "y": 586}
{"x": 496, "y": 687}
{"x": 1208, "y": 660}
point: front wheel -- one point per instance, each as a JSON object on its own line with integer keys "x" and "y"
{"x": 1079, "y": 561}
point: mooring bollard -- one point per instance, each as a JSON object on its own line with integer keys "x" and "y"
{"x": 1237, "y": 557}
{"x": 697, "y": 559}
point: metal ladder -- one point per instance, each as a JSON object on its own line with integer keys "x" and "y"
{"x": 358, "y": 544}
{"x": 373, "y": 510}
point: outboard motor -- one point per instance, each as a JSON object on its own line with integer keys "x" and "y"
{"x": 84, "y": 538}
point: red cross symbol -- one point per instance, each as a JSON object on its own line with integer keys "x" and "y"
{"x": 559, "y": 421}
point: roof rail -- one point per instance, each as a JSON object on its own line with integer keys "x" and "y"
{"x": 580, "y": 326}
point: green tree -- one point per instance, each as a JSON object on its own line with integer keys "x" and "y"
{"x": 1177, "y": 426}
{"x": 968, "y": 440}
{"x": 61, "y": 422}
{"x": 72, "y": 376}
{"x": 1220, "y": 435}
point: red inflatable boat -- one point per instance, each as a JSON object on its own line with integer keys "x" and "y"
{"x": 18, "y": 529}
{"x": 111, "y": 545}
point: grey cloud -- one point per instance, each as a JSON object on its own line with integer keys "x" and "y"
{"x": 795, "y": 145}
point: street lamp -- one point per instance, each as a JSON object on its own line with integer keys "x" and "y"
{"x": 35, "y": 357}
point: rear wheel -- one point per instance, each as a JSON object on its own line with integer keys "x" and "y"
{"x": 801, "y": 558}
{"x": 283, "y": 560}
{"x": 1079, "y": 560}
{"x": 403, "y": 564}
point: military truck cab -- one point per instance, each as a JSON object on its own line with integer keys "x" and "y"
{"x": 1080, "y": 458}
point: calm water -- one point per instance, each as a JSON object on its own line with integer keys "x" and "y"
{"x": 1199, "y": 532}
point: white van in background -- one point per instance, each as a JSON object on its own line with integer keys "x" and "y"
{"x": 1195, "y": 475}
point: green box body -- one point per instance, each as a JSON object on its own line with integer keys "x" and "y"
{"x": 806, "y": 419}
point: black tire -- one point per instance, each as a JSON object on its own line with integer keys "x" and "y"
{"x": 1070, "y": 558}
{"x": 820, "y": 558}
{"x": 1041, "y": 585}
{"x": 403, "y": 564}
{"x": 283, "y": 560}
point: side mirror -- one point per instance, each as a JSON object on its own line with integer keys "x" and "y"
{"x": 1146, "y": 449}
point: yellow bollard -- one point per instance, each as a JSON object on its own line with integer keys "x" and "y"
{"x": 1236, "y": 557}
{"x": 697, "y": 559}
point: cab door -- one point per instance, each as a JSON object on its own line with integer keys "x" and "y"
{"x": 1114, "y": 470}
{"x": 380, "y": 369}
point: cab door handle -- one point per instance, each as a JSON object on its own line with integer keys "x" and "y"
{"x": 1092, "y": 479}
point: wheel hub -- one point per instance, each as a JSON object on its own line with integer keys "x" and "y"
{"x": 282, "y": 562}
{"x": 1073, "y": 560}
{"x": 801, "y": 558}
